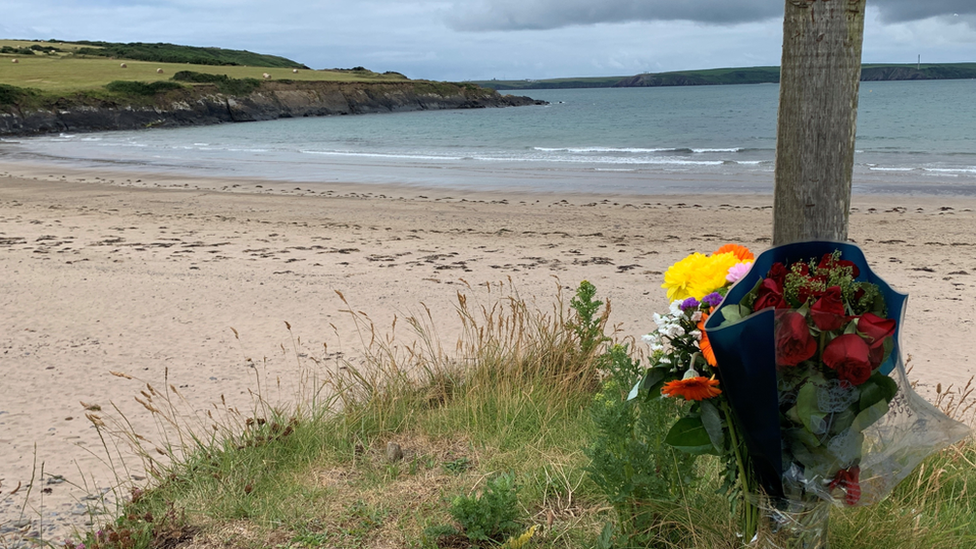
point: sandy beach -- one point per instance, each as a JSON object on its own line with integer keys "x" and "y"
{"x": 151, "y": 276}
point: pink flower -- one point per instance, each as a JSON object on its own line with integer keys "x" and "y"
{"x": 737, "y": 271}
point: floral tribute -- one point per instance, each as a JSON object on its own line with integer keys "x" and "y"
{"x": 831, "y": 337}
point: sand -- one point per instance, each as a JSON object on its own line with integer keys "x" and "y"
{"x": 147, "y": 275}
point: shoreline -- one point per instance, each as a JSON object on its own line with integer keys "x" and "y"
{"x": 148, "y": 276}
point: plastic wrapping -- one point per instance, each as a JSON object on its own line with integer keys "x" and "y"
{"x": 814, "y": 439}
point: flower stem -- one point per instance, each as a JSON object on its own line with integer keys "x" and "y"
{"x": 750, "y": 512}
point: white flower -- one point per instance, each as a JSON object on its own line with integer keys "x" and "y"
{"x": 695, "y": 334}
{"x": 696, "y": 316}
{"x": 655, "y": 347}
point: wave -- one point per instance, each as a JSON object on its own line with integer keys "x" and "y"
{"x": 609, "y": 149}
{"x": 383, "y": 155}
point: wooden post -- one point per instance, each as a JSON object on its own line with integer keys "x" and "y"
{"x": 819, "y": 80}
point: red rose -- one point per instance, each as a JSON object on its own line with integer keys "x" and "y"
{"x": 828, "y": 262}
{"x": 809, "y": 290}
{"x": 848, "y": 356}
{"x": 855, "y": 272}
{"x": 801, "y": 269}
{"x": 828, "y": 312}
{"x": 793, "y": 341}
{"x": 778, "y": 273}
{"x": 875, "y": 328}
{"x": 769, "y": 294}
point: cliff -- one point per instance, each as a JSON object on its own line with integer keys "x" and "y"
{"x": 204, "y": 104}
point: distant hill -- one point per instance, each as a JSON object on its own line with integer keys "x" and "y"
{"x": 172, "y": 53}
{"x": 745, "y": 75}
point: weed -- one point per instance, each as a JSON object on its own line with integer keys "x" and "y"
{"x": 457, "y": 466}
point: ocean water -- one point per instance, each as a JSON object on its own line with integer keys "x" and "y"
{"x": 913, "y": 137}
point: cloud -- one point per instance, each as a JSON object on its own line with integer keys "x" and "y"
{"x": 489, "y": 15}
{"x": 898, "y": 11}
{"x": 484, "y": 15}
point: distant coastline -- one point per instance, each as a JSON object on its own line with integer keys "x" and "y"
{"x": 870, "y": 72}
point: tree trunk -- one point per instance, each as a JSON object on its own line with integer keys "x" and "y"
{"x": 819, "y": 82}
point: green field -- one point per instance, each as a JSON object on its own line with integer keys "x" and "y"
{"x": 64, "y": 73}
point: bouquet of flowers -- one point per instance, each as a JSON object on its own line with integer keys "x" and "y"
{"x": 832, "y": 335}
{"x": 682, "y": 365}
{"x": 791, "y": 367}
{"x": 808, "y": 354}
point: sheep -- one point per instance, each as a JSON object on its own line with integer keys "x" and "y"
{"x": 294, "y": 70}
{"x": 124, "y": 66}
{"x": 159, "y": 71}
{"x": 266, "y": 75}
{"x": 16, "y": 61}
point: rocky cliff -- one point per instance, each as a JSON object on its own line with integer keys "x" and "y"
{"x": 204, "y": 104}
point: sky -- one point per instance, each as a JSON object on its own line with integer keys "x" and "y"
{"x": 503, "y": 39}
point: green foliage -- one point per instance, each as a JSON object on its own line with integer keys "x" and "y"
{"x": 491, "y": 515}
{"x": 130, "y": 87}
{"x": 629, "y": 459}
{"x": 172, "y": 53}
{"x": 225, "y": 84}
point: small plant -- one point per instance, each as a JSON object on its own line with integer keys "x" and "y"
{"x": 457, "y": 466}
{"x": 490, "y": 516}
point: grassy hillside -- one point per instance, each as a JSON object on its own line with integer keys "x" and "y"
{"x": 743, "y": 75}
{"x": 66, "y": 70}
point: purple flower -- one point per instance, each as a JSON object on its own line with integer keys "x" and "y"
{"x": 690, "y": 303}
{"x": 712, "y": 299}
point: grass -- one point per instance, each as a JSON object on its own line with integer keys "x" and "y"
{"x": 377, "y": 451}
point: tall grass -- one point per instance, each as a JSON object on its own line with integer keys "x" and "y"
{"x": 376, "y": 445}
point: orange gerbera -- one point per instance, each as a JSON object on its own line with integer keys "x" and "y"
{"x": 694, "y": 388}
{"x": 705, "y": 345}
{"x": 741, "y": 252}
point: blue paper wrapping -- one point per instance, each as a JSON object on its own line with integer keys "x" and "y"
{"x": 746, "y": 354}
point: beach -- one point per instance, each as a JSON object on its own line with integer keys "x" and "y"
{"x": 208, "y": 284}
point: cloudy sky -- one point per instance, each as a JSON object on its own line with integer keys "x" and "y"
{"x": 504, "y": 39}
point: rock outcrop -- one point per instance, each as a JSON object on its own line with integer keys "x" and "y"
{"x": 203, "y": 104}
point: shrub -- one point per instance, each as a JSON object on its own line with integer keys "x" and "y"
{"x": 130, "y": 87}
{"x": 9, "y": 95}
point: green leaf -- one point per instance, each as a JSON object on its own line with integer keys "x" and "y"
{"x": 688, "y": 434}
{"x": 869, "y": 415}
{"x": 731, "y": 314}
{"x": 653, "y": 377}
{"x": 877, "y": 388}
{"x": 713, "y": 425}
{"x": 806, "y": 407}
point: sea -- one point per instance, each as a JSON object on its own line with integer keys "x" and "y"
{"x": 913, "y": 137}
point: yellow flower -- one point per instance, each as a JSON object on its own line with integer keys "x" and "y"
{"x": 698, "y": 275}
{"x": 681, "y": 279}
